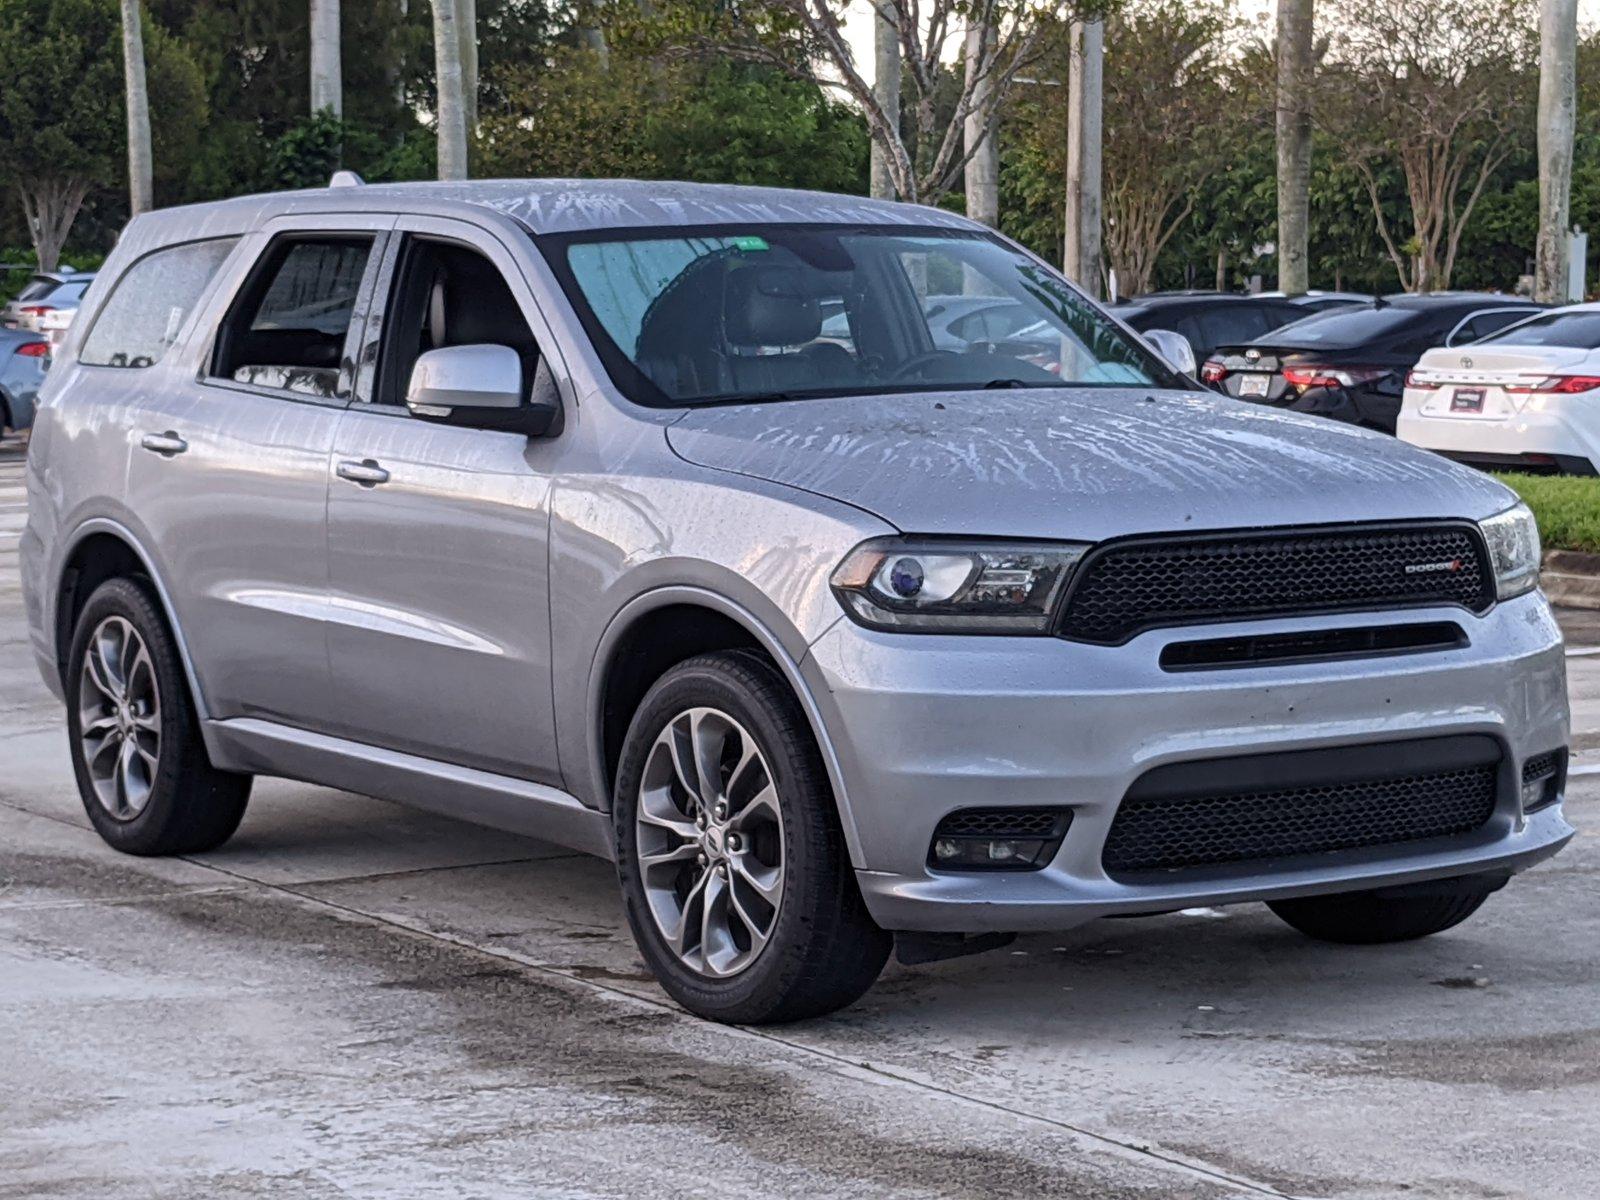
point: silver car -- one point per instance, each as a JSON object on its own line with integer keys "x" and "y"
{"x": 546, "y": 505}
{"x": 45, "y": 292}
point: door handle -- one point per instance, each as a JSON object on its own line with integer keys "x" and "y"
{"x": 165, "y": 444}
{"x": 367, "y": 472}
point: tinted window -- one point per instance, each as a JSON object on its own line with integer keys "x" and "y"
{"x": 287, "y": 329}
{"x": 684, "y": 316}
{"x": 1575, "y": 330}
{"x": 1484, "y": 324}
{"x": 1347, "y": 327}
{"x": 152, "y": 300}
{"x": 1231, "y": 324}
{"x": 39, "y": 285}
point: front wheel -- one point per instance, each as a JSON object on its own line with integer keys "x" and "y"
{"x": 146, "y": 781}
{"x": 732, "y": 863}
{"x": 1373, "y": 918}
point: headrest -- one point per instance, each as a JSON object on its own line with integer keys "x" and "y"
{"x": 769, "y": 306}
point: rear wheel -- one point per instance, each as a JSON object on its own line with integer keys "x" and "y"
{"x": 733, "y": 867}
{"x": 1372, "y": 918}
{"x": 143, "y": 773}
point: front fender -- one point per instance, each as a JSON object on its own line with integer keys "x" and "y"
{"x": 778, "y": 648}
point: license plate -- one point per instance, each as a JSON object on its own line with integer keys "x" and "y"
{"x": 1254, "y": 385}
{"x": 1466, "y": 400}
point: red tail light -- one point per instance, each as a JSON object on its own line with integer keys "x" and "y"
{"x": 37, "y": 310}
{"x": 1305, "y": 376}
{"x": 1423, "y": 385}
{"x": 34, "y": 349}
{"x": 1556, "y": 385}
{"x": 1212, "y": 371}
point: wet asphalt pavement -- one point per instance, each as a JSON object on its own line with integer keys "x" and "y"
{"x": 351, "y": 999}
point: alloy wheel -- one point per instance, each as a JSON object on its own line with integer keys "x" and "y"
{"x": 709, "y": 833}
{"x": 119, "y": 718}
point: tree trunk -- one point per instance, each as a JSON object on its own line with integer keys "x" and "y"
{"x": 983, "y": 167}
{"x": 1084, "y": 90}
{"x": 467, "y": 21}
{"x": 886, "y": 88}
{"x": 140, "y": 187}
{"x": 50, "y": 206}
{"x": 1222, "y": 268}
{"x": 1296, "y": 57}
{"x": 1558, "y": 29}
{"x": 327, "y": 83}
{"x": 452, "y": 114}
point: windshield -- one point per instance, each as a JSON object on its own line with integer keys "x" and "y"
{"x": 1568, "y": 330}
{"x": 787, "y": 311}
{"x": 1342, "y": 328}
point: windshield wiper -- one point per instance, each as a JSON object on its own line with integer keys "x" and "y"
{"x": 1004, "y": 383}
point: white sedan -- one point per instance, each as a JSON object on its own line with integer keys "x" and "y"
{"x": 1526, "y": 398}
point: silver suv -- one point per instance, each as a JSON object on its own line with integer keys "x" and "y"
{"x": 550, "y": 506}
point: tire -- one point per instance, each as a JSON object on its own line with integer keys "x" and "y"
{"x": 178, "y": 803}
{"x": 1373, "y": 918}
{"x": 778, "y": 837}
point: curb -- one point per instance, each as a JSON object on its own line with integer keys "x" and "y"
{"x": 1572, "y": 579}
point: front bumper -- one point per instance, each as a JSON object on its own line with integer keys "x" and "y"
{"x": 920, "y": 726}
{"x": 1557, "y": 426}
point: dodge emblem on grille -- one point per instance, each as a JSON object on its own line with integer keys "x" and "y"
{"x": 1452, "y": 565}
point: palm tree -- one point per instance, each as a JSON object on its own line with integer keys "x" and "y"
{"x": 1085, "y": 93}
{"x": 886, "y": 87}
{"x": 140, "y": 189}
{"x": 452, "y": 115}
{"x": 467, "y": 23}
{"x": 1558, "y": 101}
{"x": 1296, "y": 56}
{"x": 978, "y": 137}
{"x": 327, "y": 82}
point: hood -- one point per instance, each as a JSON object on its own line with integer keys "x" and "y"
{"x": 1081, "y": 464}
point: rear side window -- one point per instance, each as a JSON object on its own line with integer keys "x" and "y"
{"x": 152, "y": 300}
{"x": 288, "y": 327}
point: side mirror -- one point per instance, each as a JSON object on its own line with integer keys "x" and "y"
{"x": 1174, "y": 349}
{"x": 480, "y": 387}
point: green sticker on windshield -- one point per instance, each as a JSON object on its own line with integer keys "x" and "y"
{"x": 750, "y": 242}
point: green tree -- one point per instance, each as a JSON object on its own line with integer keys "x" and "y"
{"x": 62, "y": 124}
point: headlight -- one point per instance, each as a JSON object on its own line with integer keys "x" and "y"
{"x": 934, "y": 586}
{"x": 1514, "y": 551}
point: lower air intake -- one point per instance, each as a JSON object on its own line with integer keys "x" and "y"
{"x": 1215, "y": 825}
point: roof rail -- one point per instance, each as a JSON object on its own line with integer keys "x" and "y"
{"x": 346, "y": 179}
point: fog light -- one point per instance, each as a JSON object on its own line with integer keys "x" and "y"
{"x": 1541, "y": 780}
{"x": 998, "y": 839}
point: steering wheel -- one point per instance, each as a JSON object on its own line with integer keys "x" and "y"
{"x": 916, "y": 362}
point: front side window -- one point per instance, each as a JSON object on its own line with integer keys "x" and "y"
{"x": 446, "y": 294}
{"x": 154, "y": 297}
{"x": 789, "y": 312}
{"x": 288, "y": 327}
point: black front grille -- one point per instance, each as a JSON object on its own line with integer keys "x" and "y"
{"x": 1126, "y": 587}
{"x": 1212, "y": 826}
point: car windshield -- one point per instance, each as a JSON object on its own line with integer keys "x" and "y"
{"x": 1342, "y": 328}
{"x": 774, "y": 312}
{"x": 1568, "y": 330}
